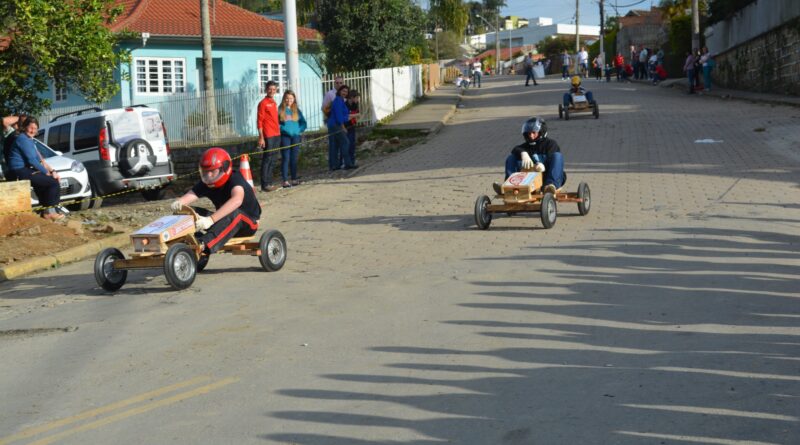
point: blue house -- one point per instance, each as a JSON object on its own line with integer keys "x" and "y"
{"x": 166, "y": 67}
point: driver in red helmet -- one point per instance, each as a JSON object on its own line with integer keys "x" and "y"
{"x": 237, "y": 209}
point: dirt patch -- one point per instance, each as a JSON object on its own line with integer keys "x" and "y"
{"x": 26, "y": 236}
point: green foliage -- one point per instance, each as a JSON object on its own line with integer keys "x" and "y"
{"x": 552, "y": 47}
{"x": 451, "y": 15}
{"x": 680, "y": 35}
{"x": 609, "y": 45}
{"x": 366, "y": 34}
{"x": 448, "y": 45}
{"x": 58, "y": 39}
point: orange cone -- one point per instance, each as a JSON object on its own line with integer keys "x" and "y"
{"x": 244, "y": 168}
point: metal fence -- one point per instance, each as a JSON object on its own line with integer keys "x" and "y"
{"x": 188, "y": 124}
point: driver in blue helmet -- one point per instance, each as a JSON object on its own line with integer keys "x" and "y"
{"x": 538, "y": 153}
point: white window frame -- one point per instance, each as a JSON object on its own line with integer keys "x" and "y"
{"x": 60, "y": 93}
{"x": 282, "y": 80}
{"x": 177, "y": 88}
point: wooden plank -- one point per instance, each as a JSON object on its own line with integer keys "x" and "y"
{"x": 148, "y": 262}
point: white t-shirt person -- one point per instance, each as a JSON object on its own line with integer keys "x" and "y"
{"x": 477, "y": 66}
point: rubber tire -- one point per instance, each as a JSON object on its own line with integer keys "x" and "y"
{"x": 483, "y": 219}
{"x": 560, "y": 111}
{"x": 154, "y": 194}
{"x": 263, "y": 245}
{"x": 596, "y": 110}
{"x": 125, "y": 163}
{"x": 179, "y": 251}
{"x": 202, "y": 262}
{"x": 83, "y": 205}
{"x": 96, "y": 202}
{"x": 585, "y": 194}
{"x": 549, "y": 211}
{"x": 566, "y": 114}
{"x": 109, "y": 283}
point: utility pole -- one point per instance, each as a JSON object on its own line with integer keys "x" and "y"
{"x": 577, "y": 26}
{"x": 208, "y": 70}
{"x": 497, "y": 43}
{"x": 695, "y": 26}
{"x": 602, "y": 34}
{"x": 290, "y": 43}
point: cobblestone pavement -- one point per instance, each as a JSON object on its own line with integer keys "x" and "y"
{"x": 667, "y": 315}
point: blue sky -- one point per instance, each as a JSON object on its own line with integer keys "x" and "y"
{"x": 563, "y": 11}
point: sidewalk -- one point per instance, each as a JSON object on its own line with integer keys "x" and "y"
{"x": 430, "y": 112}
{"x": 768, "y": 98}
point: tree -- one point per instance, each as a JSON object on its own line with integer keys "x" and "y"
{"x": 366, "y": 34}
{"x": 449, "y": 45}
{"x": 65, "y": 41}
{"x": 452, "y": 15}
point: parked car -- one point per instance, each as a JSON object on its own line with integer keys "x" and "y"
{"x": 122, "y": 148}
{"x": 74, "y": 177}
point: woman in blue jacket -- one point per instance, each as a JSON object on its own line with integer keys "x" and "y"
{"x": 25, "y": 163}
{"x": 293, "y": 124}
{"x": 337, "y": 129}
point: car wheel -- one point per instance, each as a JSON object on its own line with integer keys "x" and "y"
{"x": 106, "y": 276}
{"x": 560, "y": 111}
{"x": 273, "y": 251}
{"x": 154, "y": 194}
{"x": 566, "y": 114}
{"x": 549, "y": 211}
{"x": 202, "y": 262}
{"x": 136, "y": 158}
{"x": 586, "y": 198}
{"x": 180, "y": 266}
{"x": 97, "y": 201}
{"x": 596, "y": 110}
{"x": 483, "y": 219}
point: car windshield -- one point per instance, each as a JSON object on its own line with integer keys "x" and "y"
{"x": 44, "y": 150}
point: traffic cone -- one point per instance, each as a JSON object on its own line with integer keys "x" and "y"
{"x": 244, "y": 168}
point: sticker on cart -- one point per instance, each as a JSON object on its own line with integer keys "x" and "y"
{"x": 520, "y": 178}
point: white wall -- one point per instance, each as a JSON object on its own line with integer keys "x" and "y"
{"x": 393, "y": 88}
{"x": 752, "y": 21}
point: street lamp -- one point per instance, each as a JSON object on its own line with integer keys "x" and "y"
{"x": 496, "y": 43}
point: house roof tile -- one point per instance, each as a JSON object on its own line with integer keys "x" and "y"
{"x": 182, "y": 18}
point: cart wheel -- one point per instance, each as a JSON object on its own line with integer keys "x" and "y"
{"x": 107, "y": 277}
{"x": 273, "y": 250}
{"x": 202, "y": 262}
{"x": 586, "y": 195}
{"x": 180, "y": 266}
{"x": 549, "y": 211}
{"x": 483, "y": 219}
{"x": 560, "y": 111}
{"x": 566, "y": 114}
{"x": 596, "y": 110}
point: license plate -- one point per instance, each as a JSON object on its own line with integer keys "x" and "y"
{"x": 64, "y": 183}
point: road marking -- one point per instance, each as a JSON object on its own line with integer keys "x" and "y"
{"x": 135, "y": 411}
{"x": 102, "y": 410}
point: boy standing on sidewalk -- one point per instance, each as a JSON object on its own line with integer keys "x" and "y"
{"x": 269, "y": 135}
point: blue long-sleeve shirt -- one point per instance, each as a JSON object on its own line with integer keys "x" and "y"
{"x": 291, "y": 127}
{"x": 23, "y": 154}
{"x": 339, "y": 113}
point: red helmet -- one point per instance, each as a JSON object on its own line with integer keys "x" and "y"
{"x": 215, "y": 167}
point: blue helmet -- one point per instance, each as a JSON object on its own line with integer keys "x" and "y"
{"x": 534, "y": 124}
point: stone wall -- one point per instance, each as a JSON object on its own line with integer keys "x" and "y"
{"x": 768, "y": 63}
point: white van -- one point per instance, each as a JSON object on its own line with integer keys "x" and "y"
{"x": 122, "y": 148}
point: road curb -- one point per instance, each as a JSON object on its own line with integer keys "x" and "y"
{"x": 73, "y": 254}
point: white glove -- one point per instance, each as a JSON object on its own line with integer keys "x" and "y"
{"x": 527, "y": 162}
{"x": 176, "y": 205}
{"x": 539, "y": 167}
{"x": 203, "y": 223}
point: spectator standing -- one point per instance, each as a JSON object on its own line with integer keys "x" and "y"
{"x": 599, "y": 63}
{"x": 565, "y": 61}
{"x": 476, "y": 72}
{"x": 642, "y": 73}
{"x": 269, "y": 135}
{"x": 337, "y": 130}
{"x": 619, "y": 64}
{"x": 651, "y": 65}
{"x": 688, "y": 68}
{"x": 707, "y": 62}
{"x": 25, "y": 163}
{"x": 327, "y": 100}
{"x": 583, "y": 62}
{"x": 293, "y": 124}
{"x": 634, "y": 59}
{"x": 528, "y": 62}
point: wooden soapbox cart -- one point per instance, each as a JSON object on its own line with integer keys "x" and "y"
{"x": 522, "y": 193}
{"x": 579, "y": 105}
{"x": 169, "y": 243}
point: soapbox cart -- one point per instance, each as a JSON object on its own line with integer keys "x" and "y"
{"x": 170, "y": 243}
{"x": 522, "y": 193}
{"x": 579, "y": 105}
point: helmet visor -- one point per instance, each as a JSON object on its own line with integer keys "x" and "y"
{"x": 532, "y": 125}
{"x": 210, "y": 176}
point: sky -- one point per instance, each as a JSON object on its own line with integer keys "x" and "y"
{"x": 563, "y": 11}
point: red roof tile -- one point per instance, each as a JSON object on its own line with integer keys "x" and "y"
{"x": 182, "y": 18}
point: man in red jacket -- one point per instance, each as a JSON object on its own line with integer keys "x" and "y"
{"x": 269, "y": 135}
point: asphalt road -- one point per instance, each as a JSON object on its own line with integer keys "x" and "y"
{"x": 668, "y": 315}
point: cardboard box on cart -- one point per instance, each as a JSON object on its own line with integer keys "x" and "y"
{"x": 521, "y": 185}
{"x": 153, "y": 237}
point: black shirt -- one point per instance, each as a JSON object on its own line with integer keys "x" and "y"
{"x": 543, "y": 146}
{"x": 219, "y": 196}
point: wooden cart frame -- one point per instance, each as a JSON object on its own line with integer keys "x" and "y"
{"x": 181, "y": 256}
{"x": 579, "y": 106}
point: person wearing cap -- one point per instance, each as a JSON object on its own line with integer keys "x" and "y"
{"x": 538, "y": 153}
{"x": 237, "y": 210}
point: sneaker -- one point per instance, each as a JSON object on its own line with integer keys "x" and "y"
{"x": 498, "y": 188}
{"x": 549, "y": 188}
{"x": 286, "y": 184}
